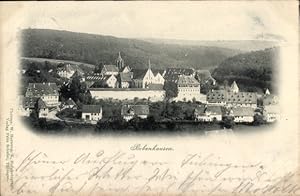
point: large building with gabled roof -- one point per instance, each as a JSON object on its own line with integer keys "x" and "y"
{"x": 232, "y": 97}
{"x": 48, "y": 92}
{"x": 188, "y": 89}
{"x": 144, "y": 77}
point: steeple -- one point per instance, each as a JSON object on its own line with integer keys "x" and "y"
{"x": 120, "y": 62}
{"x": 149, "y": 64}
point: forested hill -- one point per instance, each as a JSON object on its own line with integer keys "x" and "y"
{"x": 94, "y": 49}
{"x": 253, "y": 71}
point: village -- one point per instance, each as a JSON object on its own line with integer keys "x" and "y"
{"x": 149, "y": 96}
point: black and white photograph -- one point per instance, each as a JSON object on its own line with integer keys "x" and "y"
{"x": 124, "y": 74}
{"x": 149, "y": 98}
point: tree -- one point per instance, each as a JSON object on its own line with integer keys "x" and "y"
{"x": 76, "y": 90}
{"x": 228, "y": 122}
{"x": 32, "y": 70}
{"x": 258, "y": 120}
{"x": 98, "y": 68}
{"x": 171, "y": 89}
{"x": 100, "y": 84}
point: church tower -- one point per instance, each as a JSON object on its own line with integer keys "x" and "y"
{"x": 120, "y": 62}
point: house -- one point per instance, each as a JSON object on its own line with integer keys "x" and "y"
{"x": 48, "y": 92}
{"x": 27, "y": 105}
{"x": 42, "y": 109}
{"x": 208, "y": 113}
{"x": 158, "y": 76}
{"x": 91, "y": 113}
{"x": 142, "y": 78}
{"x": 65, "y": 71}
{"x": 129, "y": 111}
{"x": 126, "y": 79}
{"x": 68, "y": 104}
{"x": 271, "y": 113}
{"x": 108, "y": 70}
{"x": 102, "y": 81}
{"x": 243, "y": 114}
{"x": 68, "y": 70}
{"x": 204, "y": 77}
{"x": 270, "y": 99}
{"x": 111, "y": 81}
{"x": 188, "y": 89}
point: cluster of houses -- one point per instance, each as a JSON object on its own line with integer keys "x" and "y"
{"x": 241, "y": 106}
{"x": 122, "y": 82}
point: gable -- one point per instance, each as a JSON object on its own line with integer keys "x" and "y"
{"x": 149, "y": 75}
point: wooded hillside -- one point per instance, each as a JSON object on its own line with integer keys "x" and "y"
{"x": 94, "y": 49}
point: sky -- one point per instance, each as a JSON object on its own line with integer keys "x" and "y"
{"x": 168, "y": 20}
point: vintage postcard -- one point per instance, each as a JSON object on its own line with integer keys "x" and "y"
{"x": 149, "y": 98}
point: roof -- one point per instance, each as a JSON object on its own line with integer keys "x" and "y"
{"x": 41, "y": 104}
{"x": 216, "y": 96}
{"x": 126, "y": 67}
{"x": 270, "y": 99}
{"x": 272, "y": 109}
{"x": 234, "y": 86}
{"x": 139, "y": 73}
{"x": 208, "y": 109}
{"x": 65, "y": 67}
{"x": 172, "y": 78}
{"x": 156, "y": 71}
{"x": 29, "y": 102}
{"x": 70, "y": 102}
{"x": 177, "y": 71}
{"x": 242, "y": 97}
{"x": 78, "y": 73}
{"x": 92, "y": 108}
{"x": 98, "y": 78}
{"x": 119, "y": 57}
{"x": 40, "y": 89}
{"x": 135, "y": 110}
{"x": 243, "y": 111}
{"x": 126, "y": 77}
{"x": 106, "y": 77}
{"x": 94, "y": 77}
{"x": 182, "y": 79}
{"x": 110, "y": 68}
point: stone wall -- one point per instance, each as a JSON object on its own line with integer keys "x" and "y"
{"x": 128, "y": 94}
